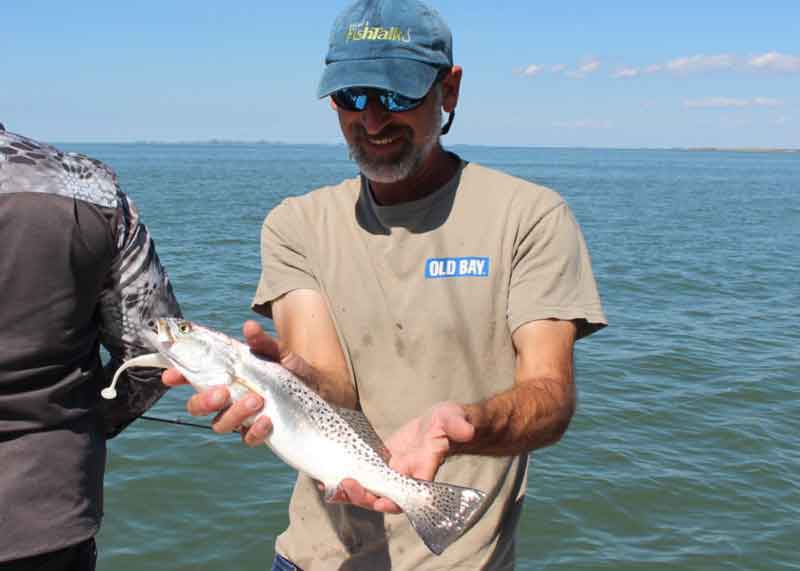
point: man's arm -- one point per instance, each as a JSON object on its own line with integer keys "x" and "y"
{"x": 310, "y": 345}
{"x": 537, "y": 410}
{"x": 137, "y": 289}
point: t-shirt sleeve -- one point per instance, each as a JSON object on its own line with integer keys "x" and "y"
{"x": 551, "y": 275}
{"x": 285, "y": 260}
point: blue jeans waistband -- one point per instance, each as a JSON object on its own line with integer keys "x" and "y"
{"x": 280, "y": 563}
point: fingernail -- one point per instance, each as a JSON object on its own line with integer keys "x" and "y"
{"x": 252, "y": 403}
{"x": 217, "y": 398}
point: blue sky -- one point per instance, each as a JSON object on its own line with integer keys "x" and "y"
{"x": 598, "y": 74}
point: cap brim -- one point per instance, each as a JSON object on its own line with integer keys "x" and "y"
{"x": 404, "y": 76}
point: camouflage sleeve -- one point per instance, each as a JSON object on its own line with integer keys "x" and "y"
{"x": 137, "y": 291}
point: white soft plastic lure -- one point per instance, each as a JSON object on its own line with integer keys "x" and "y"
{"x": 312, "y": 436}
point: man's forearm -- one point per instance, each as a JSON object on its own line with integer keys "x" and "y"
{"x": 336, "y": 388}
{"x": 533, "y": 414}
{"x": 311, "y": 347}
{"x": 331, "y": 383}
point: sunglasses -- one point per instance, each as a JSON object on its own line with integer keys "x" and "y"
{"x": 357, "y": 99}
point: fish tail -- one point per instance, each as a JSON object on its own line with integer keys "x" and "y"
{"x": 443, "y": 513}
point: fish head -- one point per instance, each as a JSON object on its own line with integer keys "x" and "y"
{"x": 203, "y": 356}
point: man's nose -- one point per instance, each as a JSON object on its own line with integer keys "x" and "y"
{"x": 374, "y": 117}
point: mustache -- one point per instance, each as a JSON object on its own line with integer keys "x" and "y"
{"x": 359, "y": 132}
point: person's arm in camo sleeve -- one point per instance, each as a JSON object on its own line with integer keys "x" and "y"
{"x": 137, "y": 290}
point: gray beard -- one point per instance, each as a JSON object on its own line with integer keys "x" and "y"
{"x": 407, "y": 161}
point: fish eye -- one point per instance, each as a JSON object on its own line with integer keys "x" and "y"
{"x": 184, "y": 327}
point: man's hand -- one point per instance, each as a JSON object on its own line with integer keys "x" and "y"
{"x": 417, "y": 449}
{"x": 217, "y": 400}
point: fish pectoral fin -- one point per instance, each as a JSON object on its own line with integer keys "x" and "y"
{"x": 147, "y": 360}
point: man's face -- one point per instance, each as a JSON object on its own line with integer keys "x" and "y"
{"x": 389, "y": 147}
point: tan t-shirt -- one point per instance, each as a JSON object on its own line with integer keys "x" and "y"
{"x": 425, "y": 296}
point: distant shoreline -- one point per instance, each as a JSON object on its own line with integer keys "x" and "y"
{"x": 740, "y": 150}
{"x": 710, "y": 149}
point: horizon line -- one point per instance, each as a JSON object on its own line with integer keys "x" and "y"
{"x": 214, "y": 141}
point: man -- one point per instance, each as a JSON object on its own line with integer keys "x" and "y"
{"x": 77, "y": 269}
{"x": 441, "y": 298}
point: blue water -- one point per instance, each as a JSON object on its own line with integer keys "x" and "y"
{"x": 685, "y": 450}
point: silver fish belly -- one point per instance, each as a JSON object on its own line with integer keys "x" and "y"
{"x": 309, "y": 434}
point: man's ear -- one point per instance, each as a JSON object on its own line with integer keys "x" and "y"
{"x": 333, "y": 103}
{"x": 451, "y": 86}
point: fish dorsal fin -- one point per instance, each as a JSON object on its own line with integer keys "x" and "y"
{"x": 358, "y": 422}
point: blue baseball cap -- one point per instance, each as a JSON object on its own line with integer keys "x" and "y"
{"x": 397, "y": 45}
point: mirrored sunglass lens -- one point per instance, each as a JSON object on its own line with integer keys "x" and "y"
{"x": 350, "y": 99}
{"x": 359, "y": 101}
{"x": 397, "y": 103}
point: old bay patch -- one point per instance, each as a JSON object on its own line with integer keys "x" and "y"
{"x": 465, "y": 267}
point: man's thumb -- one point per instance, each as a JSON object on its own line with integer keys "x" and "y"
{"x": 458, "y": 428}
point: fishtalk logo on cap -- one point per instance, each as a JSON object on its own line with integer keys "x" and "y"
{"x": 363, "y": 31}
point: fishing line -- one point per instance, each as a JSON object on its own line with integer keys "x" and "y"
{"x": 175, "y": 421}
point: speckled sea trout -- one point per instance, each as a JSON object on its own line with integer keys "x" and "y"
{"x": 326, "y": 442}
